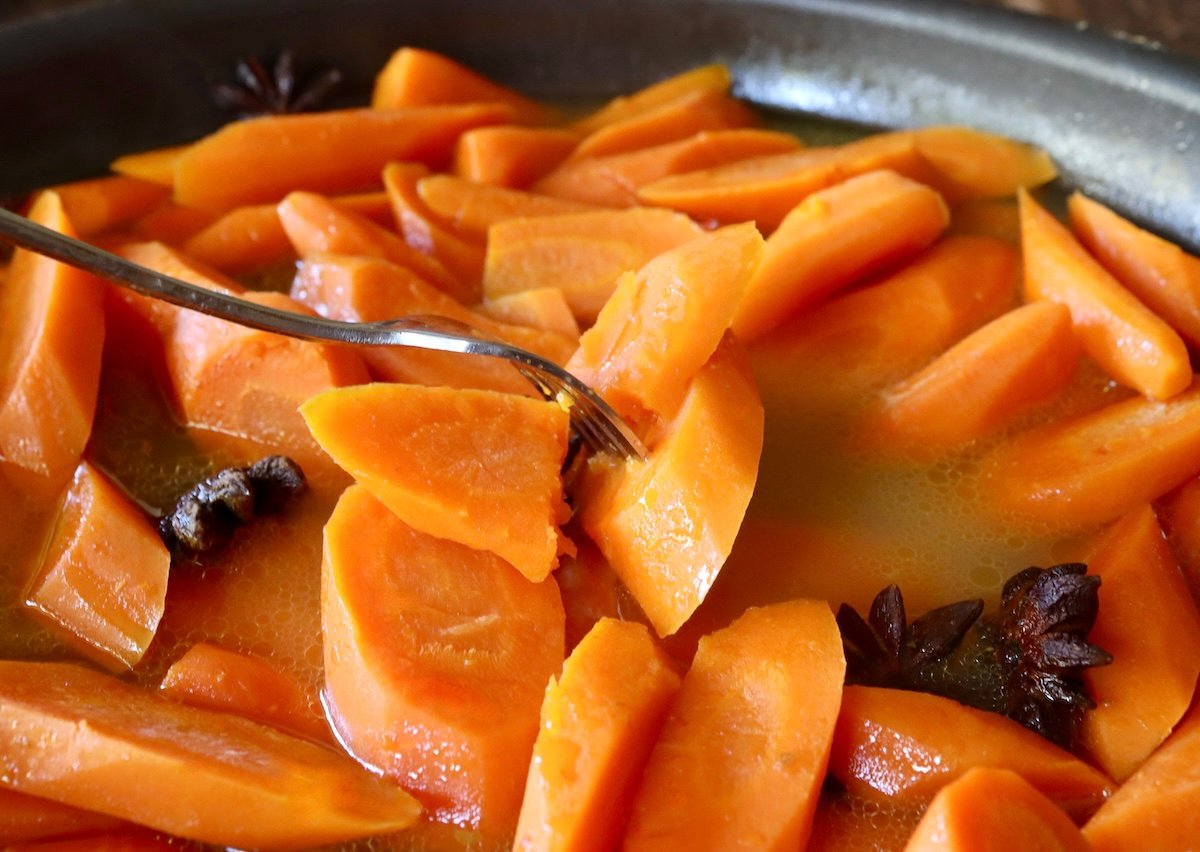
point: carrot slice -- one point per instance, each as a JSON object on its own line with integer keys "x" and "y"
{"x": 261, "y": 160}
{"x": 706, "y": 78}
{"x": 512, "y": 157}
{"x": 994, "y": 810}
{"x": 156, "y": 166}
{"x": 219, "y": 679}
{"x": 542, "y": 307}
{"x": 1158, "y": 272}
{"x": 599, "y": 721}
{"x": 24, "y": 819}
{"x": 103, "y": 204}
{"x": 742, "y": 756}
{"x": 172, "y": 224}
{"x": 1179, "y": 514}
{"x": 835, "y": 237}
{"x": 231, "y": 782}
{"x": 1149, "y": 624}
{"x": 972, "y": 164}
{"x": 476, "y": 467}
{"x": 243, "y": 239}
{"x": 581, "y": 253}
{"x": 985, "y": 382}
{"x": 437, "y": 658}
{"x": 1098, "y": 467}
{"x": 415, "y": 78}
{"x": 161, "y": 258}
{"x": 473, "y": 208}
{"x": 880, "y": 731}
{"x": 50, "y": 343}
{"x": 1121, "y": 334}
{"x": 667, "y": 524}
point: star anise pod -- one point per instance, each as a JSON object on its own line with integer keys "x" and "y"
{"x": 885, "y": 650}
{"x": 275, "y": 92}
{"x": 1042, "y": 648}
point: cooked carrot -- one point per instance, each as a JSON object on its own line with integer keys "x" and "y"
{"x": 741, "y": 759}
{"x": 217, "y": 678}
{"x": 706, "y": 78}
{"x": 1096, "y": 468}
{"x": 987, "y": 217}
{"x": 261, "y": 160}
{"x": 104, "y": 204}
{"x": 1121, "y": 334}
{"x": 994, "y": 810}
{"x": 161, "y": 258}
{"x": 477, "y": 467}
{"x": 1149, "y": 624}
{"x": 370, "y": 205}
{"x": 415, "y": 78}
{"x": 243, "y": 239}
{"x": 437, "y": 659}
{"x": 835, "y": 237}
{"x": 879, "y": 730}
{"x": 198, "y": 774}
{"x": 510, "y": 156}
{"x": 421, "y": 229}
{"x": 156, "y": 166}
{"x": 767, "y": 188}
{"x": 473, "y": 208}
{"x": 50, "y": 341}
{"x": 985, "y": 382}
{"x": 614, "y": 181}
{"x": 581, "y": 253}
{"x": 1155, "y": 810}
{"x": 542, "y": 307}
{"x": 24, "y": 819}
{"x": 667, "y": 524}
{"x": 971, "y": 164}
{"x": 599, "y": 721}
{"x": 1179, "y": 514}
{"x": 172, "y": 224}
{"x": 1160, "y": 273}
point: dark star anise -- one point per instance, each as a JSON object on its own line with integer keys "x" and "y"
{"x": 275, "y": 92}
{"x": 885, "y": 650}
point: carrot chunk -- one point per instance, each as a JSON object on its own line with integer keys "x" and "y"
{"x": 437, "y": 658}
{"x": 243, "y": 239}
{"x": 156, "y": 166}
{"x": 599, "y": 721}
{"x": 512, "y": 157}
{"x": 24, "y": 819}
{"x": 748, "y": 736}
{"x": 706, "y": 78}
{"x": 835, "y": 237}
{"x": 543, "y": 307}
{"x": 472, "y": 208}
{"x": 1179, "y": 513}
{"x": 1121, "y": 334}
{"x": 1149, "y": 624}
{"x": 103, "y": 204}
{"x": 172, "y": 224}
{"x": 970, "y": 164}
{"x": 475, "y": 467}
{"x": 201, "y": 775}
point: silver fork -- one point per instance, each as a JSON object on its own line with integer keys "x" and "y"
{"x": 592, "y": 418}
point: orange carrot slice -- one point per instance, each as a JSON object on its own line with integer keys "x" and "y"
{"x": 261, "y": 160}
{"x": 512, "y": 157}
{"x": 880, "y": 731}
{"x": 161, "y": 258}
{"x": 599, "y": 721}
{"x": 543, "y": 307}
{"x": 415, "y": 78}
{"x": 667, "y": 524}
{"x": 473, "y": 208}
{"x": 172, "y": 224}
{"x": 103, "y": 204}
{"x": 1158, "y": 272}
{"x": 1179, "y": 513}
{"x": 243, "y": 239}
{"x": 835, "y": 237}
{"x": 156, "y": 166}
{"x": 991, "y": 810}
{"x": 972, "y": 164}
{"x": 24, "y": 819}
{"x": 581, "y": 253}
{"x": 1133, "y": 345}
{"x": 1149, "y": 624}
{"x": 232, "y": 782}
{"x": 437, "y": 658}
{"x": 50, "y": 342}
{"x": 706, "y": 78}
{"x": 742, "y": 756}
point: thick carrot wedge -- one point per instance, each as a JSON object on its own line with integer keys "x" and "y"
{"x": 475, "y": 467}
{"x": 543, "y": 307}
{"x": 984, "y": 383}
{"x": 473, "y": 208}
{"x": 103, "y": 204}
{"x": 1160, "y": 273}
{"x": 766, "y": 188}
{"x": 220, "y": 679}
{"x": 748, "y": 736}
{"x": 24, "y": 819}
{"x": 1155, "y": 810}
{"x": 835, "y": 237}
{"x": 706, "y": 78}
{"x": 1149, "y": 624}
{"x": 666, "y": 525}
{"x": 1096, "y": 468}
{"x": 156, "y": 166}
{"x": 241, "y": 240}
{"x": 599, "y": 721}
{"x": 880, "y": 730}
{"x": 415, "y": 78}
{"x": 261, "y": 160}
{"x": 581, "y": 253}
{"x": 1121, "y": 334}
{"x": 614, "y": 181}
{"x": 512, "y": 157}
{"x": 194, "y": 773}
{"x": 172, "y": 224}
{"x": 437, "y": 659}
{"x": 50, "y": 341}
{"x": 103, "y": 580}
{"x": 1179, "y": 514}
{"x": 971, "y": 164}
{"x": 994, "y": 810}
